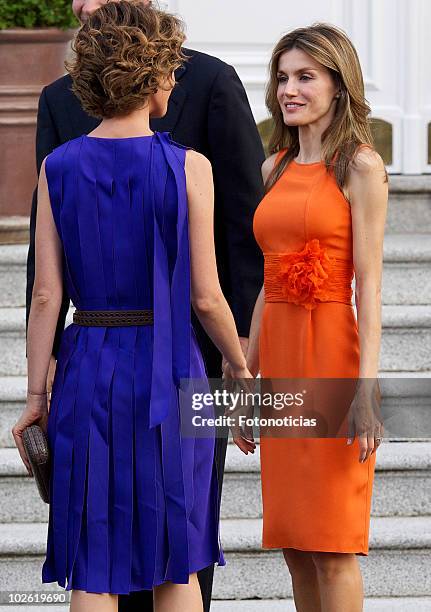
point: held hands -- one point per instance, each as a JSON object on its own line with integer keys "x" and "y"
{"x": 364, "y": 418}
{"x": 236, "y": 379}
{"x": 244, "y": 346}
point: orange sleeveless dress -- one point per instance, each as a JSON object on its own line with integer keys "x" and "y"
{"x": 316, "y": 494}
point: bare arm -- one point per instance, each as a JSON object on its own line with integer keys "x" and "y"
{"x": 253, "y": 345}
{"x": 47, "y": 139}
{"x": 208, "y": 300}
{"x": 45, "y": 305}
{"x": 47, "y": 291}
{"x": 368, "y": 195}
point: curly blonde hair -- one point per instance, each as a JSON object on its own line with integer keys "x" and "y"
{"x": 124, "y": 53}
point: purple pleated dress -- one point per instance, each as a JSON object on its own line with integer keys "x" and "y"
{"x": 133, "y": 503}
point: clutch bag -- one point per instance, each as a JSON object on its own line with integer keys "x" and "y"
{"x": 36, "y": 446}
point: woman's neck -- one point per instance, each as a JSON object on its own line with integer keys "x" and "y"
{"x": 310, "y": 141}
{"x": 136, "y": 123}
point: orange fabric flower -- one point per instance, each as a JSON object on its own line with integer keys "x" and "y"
{"x": 305, "y": 275}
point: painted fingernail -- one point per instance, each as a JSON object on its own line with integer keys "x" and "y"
{"x": 349, "y": 440}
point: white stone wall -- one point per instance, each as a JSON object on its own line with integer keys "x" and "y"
{"x": 391, "y": 36}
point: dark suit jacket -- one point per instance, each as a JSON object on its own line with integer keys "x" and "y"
{"x": 208, "y": 111}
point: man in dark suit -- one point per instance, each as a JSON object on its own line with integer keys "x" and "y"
{"x": 208, "y": 111}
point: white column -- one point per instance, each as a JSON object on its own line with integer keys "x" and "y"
{"x": 413, "y": 135}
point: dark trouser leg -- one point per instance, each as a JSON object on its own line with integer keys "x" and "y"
{"x": 213, "y": 364}
{"x": 206, "y": 575}
{"x": 139, "y": 601}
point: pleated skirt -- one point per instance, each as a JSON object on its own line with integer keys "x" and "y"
{"x": 131, "y": 507}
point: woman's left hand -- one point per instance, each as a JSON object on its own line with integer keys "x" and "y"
{"x": 364, "y": 418}
{"x": 36, "y": 411}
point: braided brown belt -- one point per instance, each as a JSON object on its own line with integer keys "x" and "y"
{"x": 113, "y": 318}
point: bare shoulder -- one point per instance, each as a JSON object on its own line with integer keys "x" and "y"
{"x": 268, "y": 166}
{"x": 367, "y": 161}
{"x": 199, "y": 178}
{"x": 196, "y": 164}
{"x": 367, "y": 175}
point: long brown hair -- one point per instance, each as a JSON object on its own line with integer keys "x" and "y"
{"x": 350, "y": 128}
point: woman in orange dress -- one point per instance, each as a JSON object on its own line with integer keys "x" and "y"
{"x": 321, "y": 221}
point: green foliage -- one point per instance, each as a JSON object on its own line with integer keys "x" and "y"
{"x": 36, "y": 14}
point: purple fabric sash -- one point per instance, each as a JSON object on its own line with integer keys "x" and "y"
{"x": 171, "y": 290}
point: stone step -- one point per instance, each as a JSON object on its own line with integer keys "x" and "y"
{"x": 409, "y": 209}
{"x": 13, "y": 260}
{"x": 13, "y": 361}
{"x": 21, "y": 502}
{"x": 15, "y": 230}
{"x": 406, "y": 338}
{"x": 402, "y": 484}
{"x": 393, "y": 604}
{"x": 407, "y": 269}
{"x": 398, "y": 564}
{"x": 406, "y": 275}
{"x": 376, "y": 604}
{"x": 12, "y": 401}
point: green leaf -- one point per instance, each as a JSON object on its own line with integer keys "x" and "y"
{"x": 37, "y": 14}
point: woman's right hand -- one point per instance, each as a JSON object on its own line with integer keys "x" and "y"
{"x": 35, "y": 412}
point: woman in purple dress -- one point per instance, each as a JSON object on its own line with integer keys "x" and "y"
{"x": 126, "y": 217}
